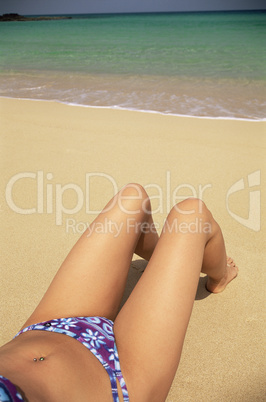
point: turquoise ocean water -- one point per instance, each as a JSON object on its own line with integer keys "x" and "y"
{"x": 200, "y": 64}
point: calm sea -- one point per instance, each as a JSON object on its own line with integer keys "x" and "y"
{"x": 200, "y": 64}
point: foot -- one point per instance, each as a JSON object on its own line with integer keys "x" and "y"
{"x": 231, "y": 272}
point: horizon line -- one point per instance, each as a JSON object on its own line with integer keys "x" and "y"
{"x": 142, "y": 12}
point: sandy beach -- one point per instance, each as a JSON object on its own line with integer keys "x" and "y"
{"x": 60, "y": 164}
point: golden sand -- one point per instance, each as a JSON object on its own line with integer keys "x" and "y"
{"x": 46, "y": 146}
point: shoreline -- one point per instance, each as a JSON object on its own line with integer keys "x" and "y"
{"x": 190, "y": 69}
{"x": 136, "y": 110}
{"x": 167, "y": 95}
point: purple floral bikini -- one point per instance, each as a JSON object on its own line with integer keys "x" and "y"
{"x": 97, "y": 335}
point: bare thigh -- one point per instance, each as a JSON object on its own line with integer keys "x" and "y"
{"x": 92, "y": 279}
{"x": 150, "y": 329}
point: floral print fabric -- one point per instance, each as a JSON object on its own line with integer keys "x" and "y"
{"x": 8, "y": 391}
{"x": 96, "y": 333}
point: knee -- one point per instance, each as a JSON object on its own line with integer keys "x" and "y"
{"x": 134, "y": 191}
{"x": 192, "y": 207}
{"x": 134, "y": 197}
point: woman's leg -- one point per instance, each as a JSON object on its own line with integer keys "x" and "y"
{"x": 150, "y": 328}
{"x": 92, "y": 279}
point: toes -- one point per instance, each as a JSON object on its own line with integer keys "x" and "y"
{"x": 234, "y": 268}
{"x": 231, "y": 262}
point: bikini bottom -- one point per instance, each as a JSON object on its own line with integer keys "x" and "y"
{"x": 97, "y": 335}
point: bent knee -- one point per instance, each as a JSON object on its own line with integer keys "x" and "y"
{"x": 134, "y": 189}
{"x": 192, "y": 206}
{"x": 135, "y": 197}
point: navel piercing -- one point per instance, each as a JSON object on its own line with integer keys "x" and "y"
{"x": 41, "y": 359}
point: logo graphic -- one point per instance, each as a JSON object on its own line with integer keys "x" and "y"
{"x": 253, "y": 220}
